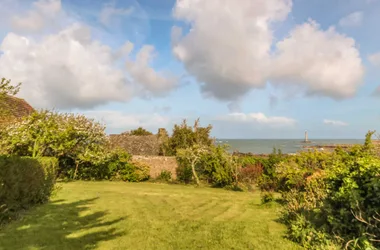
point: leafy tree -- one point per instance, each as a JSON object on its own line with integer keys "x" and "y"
{"x": 48, "y": 133}
{"x": 192, "y": 155}
{"x": 185, "y": 136}
{"x": 140, "y": 132}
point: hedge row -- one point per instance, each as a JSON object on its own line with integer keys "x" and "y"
{"x": 24, "y": 182}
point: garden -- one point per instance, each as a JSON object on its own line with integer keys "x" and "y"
{"x": 63, "y": 186}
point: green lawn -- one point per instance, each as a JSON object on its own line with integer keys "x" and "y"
{"x": 116, "y": 215}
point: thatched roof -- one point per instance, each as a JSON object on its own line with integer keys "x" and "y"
{"x": 13, "y": 108}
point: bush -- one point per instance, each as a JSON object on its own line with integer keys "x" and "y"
{"x": 165, "y": 175}
{"x": 251, "y": 173}
{"x": 185, "y": 136}
{"x": 135, "y": 172}
{"x": 107, "y": 165}
{"x": 24, "y": 182}
{"x": 267, "y": 197}
{"x": 140, "y": 132}
{"x": 333, "y": 198}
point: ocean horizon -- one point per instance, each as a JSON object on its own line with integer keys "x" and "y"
{"x": 288, "y": 146}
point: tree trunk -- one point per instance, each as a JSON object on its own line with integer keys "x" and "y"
{"x": 194, "y": 172}
{"x": 76, "y": 170}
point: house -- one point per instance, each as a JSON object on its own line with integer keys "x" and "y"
{"x": 13, "y": 108}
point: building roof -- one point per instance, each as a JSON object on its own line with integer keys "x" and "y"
{"x": 13, "y": 108}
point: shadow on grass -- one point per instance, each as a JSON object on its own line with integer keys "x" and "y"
{"x": 60, "y": 225}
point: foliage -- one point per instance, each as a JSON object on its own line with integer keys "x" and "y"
{"x": 212, "y": 164}
{"x": 165, "y": 175}
{"x": 267, "y": 197}
{"x": 24, "y": 182}
{"x": 135, "y": 172}
{"x": 48, "y": 133}
{"x": 185, "y": 136}
{"x": 107, "y": 165}
{"x": 140, "y": 132}
{"x": 333, "y": 198}
{"x": 6, "y": 88}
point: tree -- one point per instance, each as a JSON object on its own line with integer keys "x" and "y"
{"x": 48, "y": 133}
{"x": 193, "y": 155}
{"x": 185, "y": 136}
{"x": 140, "y": 132}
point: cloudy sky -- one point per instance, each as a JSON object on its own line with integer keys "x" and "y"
{"x": 251, "y": 68}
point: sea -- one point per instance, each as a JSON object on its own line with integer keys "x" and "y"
{"x": 288, "y": 146}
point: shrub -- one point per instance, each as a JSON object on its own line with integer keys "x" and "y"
{"x": 47, "y": 133}
{"x": 267, "y": 197}
{"x": 140, "y": 132}
{"x": 212, "y": 164}
{"x": 185, "y": 136}
{"x": 251, "y": 173}
{"x": 165, "y": 175}
{"x": 337, "y": 200}
{"x": 135, "y": 172}
{"x": 24, "y": 182}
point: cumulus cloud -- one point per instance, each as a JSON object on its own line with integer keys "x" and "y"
{"x": 118, "y": 121}
{"x": 64, "y": 70}
{"x": 228, "y": 46}
{"x": 335, "y": 123}
{"x": 109, "y": 11}
{"x": 153, "y": 82}
{"x": 354, "y": 19}
{"x": 69, "y": 69}
{"x": 258, "y": 118}
{"x": 230, "y": 61}
{"x": 375, "y": 59}
{"x": 44, "y": 14}
{"x": 322, "y": 62}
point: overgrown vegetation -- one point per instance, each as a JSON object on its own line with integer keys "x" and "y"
{"x": 140, "y": 132}
{"x": 79, "y": 143}
{"x": 24, "y": 182}
{"x": 330, "y": 199}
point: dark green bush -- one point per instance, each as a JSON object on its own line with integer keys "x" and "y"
{"x": 267, "y": 197}
{"x": 111, "y": 165}
{"x": 24, "y": 182}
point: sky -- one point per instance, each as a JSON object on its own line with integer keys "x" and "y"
{"x": 262, "y": 69}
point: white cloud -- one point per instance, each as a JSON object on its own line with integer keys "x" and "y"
{"x": 44, "y": 14}
{"x": 230, "y": 53}
{"x": 109, "y": 11}
{"x": 64, "y": 70}
{"x": 354, "y": 19}
{"x": 375, "y": 59}
{"x": 322, "y": 62}
{"x": 153, "y": 82}
{"x": 228, "y": 46}
{"x": 69, "y": 69}
{"x": 120, "y": 121}
{"x": 258, "y": 118}
{"x": 335, "y": 123}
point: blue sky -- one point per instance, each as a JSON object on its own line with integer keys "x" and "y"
{"x": 251, "y": 68}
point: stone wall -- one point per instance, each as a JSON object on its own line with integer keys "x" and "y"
{"x": 158, "y": 163}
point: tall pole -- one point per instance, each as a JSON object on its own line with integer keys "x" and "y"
{"x": 306, "y": 139}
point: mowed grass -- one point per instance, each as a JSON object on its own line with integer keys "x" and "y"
{"x": 116, "y": 215}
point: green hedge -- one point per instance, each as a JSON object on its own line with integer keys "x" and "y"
{"x": 24, "y": 182}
